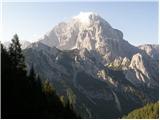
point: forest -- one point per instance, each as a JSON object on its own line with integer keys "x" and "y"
{"x": 149, "y": 111}
{"x": 23, "y": 93}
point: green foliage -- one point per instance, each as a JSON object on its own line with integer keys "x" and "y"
{"x": 149, "y": 111}
{"x": 71, "y": 96}
{"x": 15, "y": 53}
{"x": 62, "y": 100}
{"x": 47, "y": 87}
{"x": 32, "y": 74}
{"x": 24, "y": 96}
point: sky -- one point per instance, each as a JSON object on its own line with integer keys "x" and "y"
{"x": 31, "y": 20}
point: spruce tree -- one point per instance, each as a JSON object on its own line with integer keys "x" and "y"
{"x": 16, "y": 54}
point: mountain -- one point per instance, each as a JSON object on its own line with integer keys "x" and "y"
{"x": 91, "y": 31}
{"x": 151, "y": 50}
{"x": 24, "y": 44}
{"x": 89, "y": 62}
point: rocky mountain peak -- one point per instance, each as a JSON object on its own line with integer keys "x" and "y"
{"x": 89, "y": 30}
{"x": 86, "y": 17}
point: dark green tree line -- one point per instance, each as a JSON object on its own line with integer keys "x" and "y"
{"x": 24, "y": 96}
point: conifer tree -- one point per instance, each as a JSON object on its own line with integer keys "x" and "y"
{"x": 16, "y": 54}
{"x": 32, "y": 74}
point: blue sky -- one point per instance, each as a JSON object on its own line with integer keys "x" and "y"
{"x": 137, "y": 20}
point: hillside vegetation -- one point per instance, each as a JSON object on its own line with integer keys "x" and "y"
{"x": 149, "y": 111}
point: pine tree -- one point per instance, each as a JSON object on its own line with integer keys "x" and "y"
{"x": 32, "y": 74}
{"x": 5, "y": 81}
{"x": 16, "y": 54}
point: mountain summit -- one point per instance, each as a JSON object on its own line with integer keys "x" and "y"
{"x": 86, "y": 17}
{"x": 89, "y": 30}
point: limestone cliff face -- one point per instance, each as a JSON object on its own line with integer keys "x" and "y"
{"x": 89, "y": 30}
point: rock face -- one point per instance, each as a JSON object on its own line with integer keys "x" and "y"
{"x": 151, "y": 50}
{"x": 90, "y": 31}
{"x": 91, "y": 64}
{"x": 145, "y": 70}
